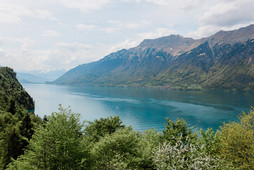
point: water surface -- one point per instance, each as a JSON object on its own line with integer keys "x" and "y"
{"x": 143, "y": 108}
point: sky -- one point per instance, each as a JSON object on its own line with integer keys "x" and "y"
{"x": 47, "y": 35}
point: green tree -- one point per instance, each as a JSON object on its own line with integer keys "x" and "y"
{"x": 178, "y": 130}
{"x": 150, "y": 139}
{"x": 120, "y": 150}
{"x": 237, "y": 141}
{"x": 11, "y": 146}
{"x": 26, "y": 131}
{"x": 209, "y": 141}
{"x": 101, "y": 127}
{"x": 58, "y": 145}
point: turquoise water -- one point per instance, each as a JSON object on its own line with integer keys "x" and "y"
{"x": 143, "y": 108}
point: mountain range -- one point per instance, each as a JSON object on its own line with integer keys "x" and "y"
{"x": 35, "y": 77}
{"x": 224, "y": 60}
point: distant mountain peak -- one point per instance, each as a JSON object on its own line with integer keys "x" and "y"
{"x": 173, "y": 44}
{"x": 175, "y": 36}
{"x": 232, "y": 36}
{"x": 166, "y": 39}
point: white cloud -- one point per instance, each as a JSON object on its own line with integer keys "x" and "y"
{"x": 118, "y": 25}
{"x": 17, "y": 53}
{"x": 83, "y": 27}
{"x": 11, "y": 13}
{"x": 179, "y": 3}
{"x": 72, "y": 46}
{"x": 23, "y": 57}
{"x": 113, "y": 47}
{"x": 229, "y": 13}
{"x": 136, "y": 1}
{"x": 158, "y": 32}
{"x": 43, "y": 14}
{"x": 22, "y": 43}
{"x": 133, "y": 25}
{"x": 51, "y": 33}
{"x": 160, "y": 2}
{"x": 130, "y": 43}
{"x": 110, "y": 30}
{"x": 69, "y": 55}
{"x": 27, "y": 43}
{"x": 84, "y": 5}
{"x": 224, "y": 15}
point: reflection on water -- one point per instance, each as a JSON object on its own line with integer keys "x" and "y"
{"x": 143, "y": 108}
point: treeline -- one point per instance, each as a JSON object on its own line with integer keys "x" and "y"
{"x": 61, "y": 141}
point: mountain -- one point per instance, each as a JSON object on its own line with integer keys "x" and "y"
{"x": 39, "y": 77}
{"x": 221, "y": 61}
{"x": 30, "y": 78}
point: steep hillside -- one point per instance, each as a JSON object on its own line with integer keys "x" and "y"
{"x": 222, "y": 61}
{"x": 234, "y": 69}
{"x": 11, "y": 91}
{"x": 16, "y": 123}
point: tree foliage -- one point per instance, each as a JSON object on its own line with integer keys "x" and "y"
{"x": 180, "y": 156}
{"x": 178, "y": 130}
{"x": 209, "y": 141}
{"x": 237, "y": 141}
{"x": 150, "y": 139}
{"x": 58, "y": 145}
{"x": 16, "y": 124}
{"x": 120, "y": 150}
{"x": 14, "y": 135}
{"x": 101, "y": 127}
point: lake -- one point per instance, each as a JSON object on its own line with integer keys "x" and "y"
{"x": 143, "y": 108}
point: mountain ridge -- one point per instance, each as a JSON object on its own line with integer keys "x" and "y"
{"x": 175, "y": 62}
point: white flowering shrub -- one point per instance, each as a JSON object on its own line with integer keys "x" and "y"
{"x": 180, "y": 156}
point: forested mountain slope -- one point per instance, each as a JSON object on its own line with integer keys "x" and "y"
{"x": 11, "y": 91}
{"x": 17, "y": 120}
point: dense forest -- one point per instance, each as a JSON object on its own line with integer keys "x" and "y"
{"x": 62, "y": 141}
{"x": 17, "y": 121}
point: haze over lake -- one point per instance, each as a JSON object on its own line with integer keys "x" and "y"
{"x": 142, "y": 108}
